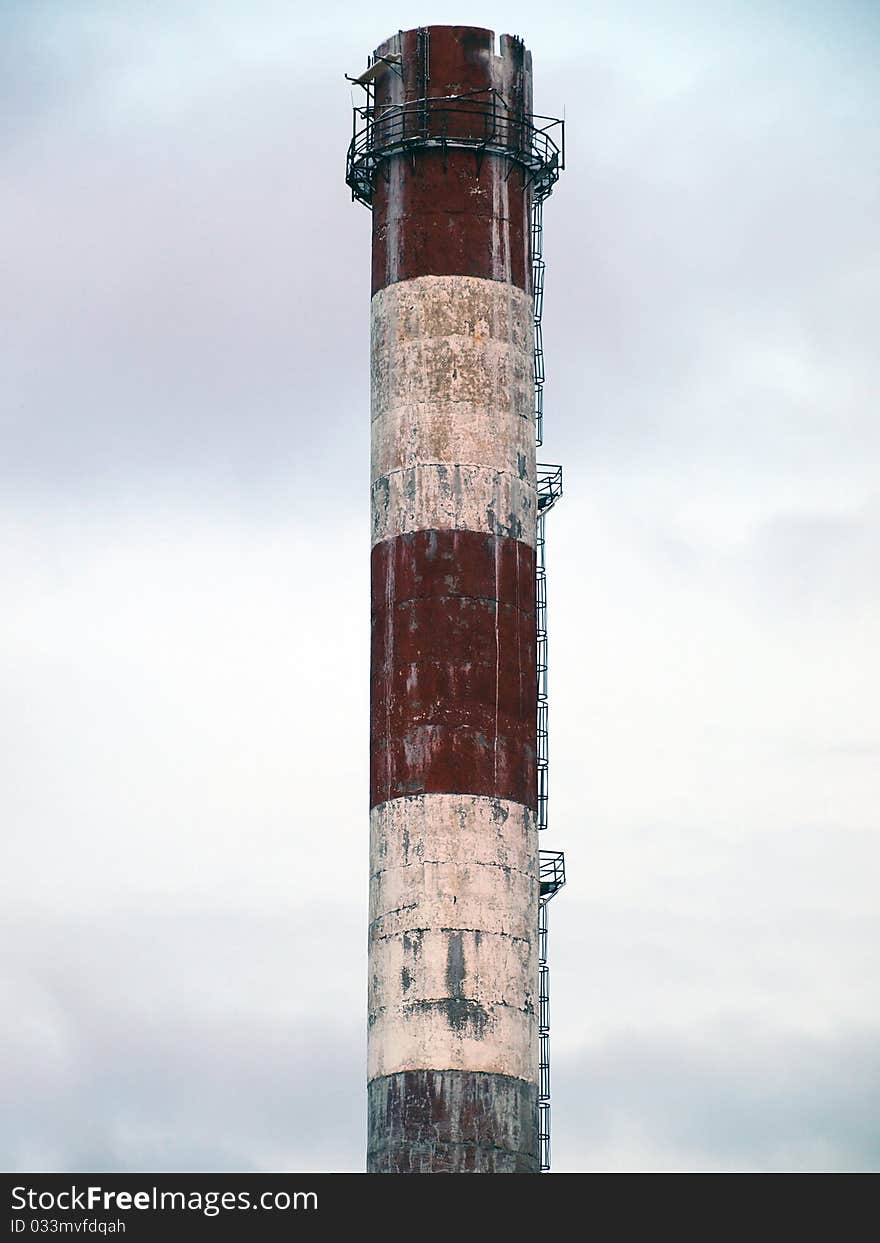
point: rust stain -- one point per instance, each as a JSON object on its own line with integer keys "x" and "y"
{"x": 423, "y": 564}
{"x": 453, "y": 685}
{"x": 447, "y": 216}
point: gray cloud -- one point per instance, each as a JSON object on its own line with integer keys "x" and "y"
{"x": 184, "y": 533}
{"x": 734, "y": 1099}
{"x": 199, "y": 1039}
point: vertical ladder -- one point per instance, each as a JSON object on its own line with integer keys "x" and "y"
{"x": 538, "y": 310}
{"x": 551, "y": 872}
{"x": 543, "y": 738}
{"x": 549, "y": 491}
{"x": 543, "y": 1040}
{"x": 551, "y": 864}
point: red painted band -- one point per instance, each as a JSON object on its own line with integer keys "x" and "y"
{"x": 451, "y": 212}
{"x": 447, "y": 216}
{"x": 422, "y": 564}
{"x": 452, "y": 60}
{"x": 453, "y": 680}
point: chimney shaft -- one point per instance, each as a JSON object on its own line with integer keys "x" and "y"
{"x": 444, "y": 161}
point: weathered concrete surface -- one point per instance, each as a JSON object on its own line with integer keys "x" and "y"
{"x": 453, "y": 436}
{"x": 442, "y": 1121}
{"x": 451, "y": 373}
{"x": 452, "y": 953}
{"x": 454, "y": 828}
{"x": 461, "y": 1033}
{"x": 454, "y": 684}
{"x": 453, "y": 498}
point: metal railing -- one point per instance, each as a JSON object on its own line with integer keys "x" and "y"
{"x": 551, "y": 872}
{"x": 479, "y": 121}
{"x": 549, "y": 485}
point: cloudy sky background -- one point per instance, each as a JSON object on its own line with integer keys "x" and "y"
{"x": 184, "y": 567}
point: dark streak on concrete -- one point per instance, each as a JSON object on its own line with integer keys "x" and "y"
{"x": 455, "y": 964}
{"x": 464, "y": 1016}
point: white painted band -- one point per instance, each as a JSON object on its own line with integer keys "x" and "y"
{"x": 453, "y": 952}
{"x": 453, "y": 828}
{"x": 452, "y": 390}
{"x": 437, "y": 497}
{"x": 506, "y": 1043}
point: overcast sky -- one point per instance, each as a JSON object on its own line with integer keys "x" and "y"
{"x": 184, "y": 539}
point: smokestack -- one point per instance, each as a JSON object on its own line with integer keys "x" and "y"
{"x": 448, "y": 155}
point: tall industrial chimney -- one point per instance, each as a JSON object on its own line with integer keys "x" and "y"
{"x": 447, "y": 153}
